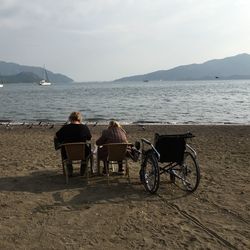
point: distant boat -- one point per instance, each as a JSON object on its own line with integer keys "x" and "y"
{"x": 45, "y": 82}
{"x": 145, "y": 80}
{"x": 1, "y": 84}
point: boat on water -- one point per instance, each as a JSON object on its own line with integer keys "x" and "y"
{"x": 45, "y": 81}
{"x": 1, "y": 84}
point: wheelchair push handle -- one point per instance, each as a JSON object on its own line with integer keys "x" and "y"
{"x": 185, "y": 136}
{"x": 152, "y": 146}
{"x": 146, "y": 141}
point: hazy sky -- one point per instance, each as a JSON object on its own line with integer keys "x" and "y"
{"x": 108, "y": 39}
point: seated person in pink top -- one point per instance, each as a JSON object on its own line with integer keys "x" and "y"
{"x": 113, "y": 134}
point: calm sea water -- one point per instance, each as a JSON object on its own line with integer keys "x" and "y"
{"x": 198, "y": 102}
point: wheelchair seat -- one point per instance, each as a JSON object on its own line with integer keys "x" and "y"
{"x": 170, "y": 147}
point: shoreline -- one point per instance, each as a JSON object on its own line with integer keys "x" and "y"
{"x": 44, "y": 123}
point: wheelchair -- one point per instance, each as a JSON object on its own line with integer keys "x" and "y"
{"x": 171, "y": 155}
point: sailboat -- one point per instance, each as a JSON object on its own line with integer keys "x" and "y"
{"x": 45, "y": 81}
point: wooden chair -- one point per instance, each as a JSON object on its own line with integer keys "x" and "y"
{"x": 117, "y": 152}
{"x": 75, "y": 153}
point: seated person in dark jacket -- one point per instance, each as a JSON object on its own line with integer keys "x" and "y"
{"x": 75, "y": 131}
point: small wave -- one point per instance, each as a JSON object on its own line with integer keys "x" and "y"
{"x": 5, "y": 121}
{"x": 95, "y": 119}
{"x": 146, "y": 122}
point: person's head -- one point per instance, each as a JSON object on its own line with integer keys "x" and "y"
{"x": 75, "y": 117}
{"x": 114, "y": 124}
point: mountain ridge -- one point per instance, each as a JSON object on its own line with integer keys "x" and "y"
{"x": 233, "y": 67}
{"x": 13, "y": 72}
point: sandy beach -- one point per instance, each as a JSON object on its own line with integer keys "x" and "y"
{"x": 39, "y": 211}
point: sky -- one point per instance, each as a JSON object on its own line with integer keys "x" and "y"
{"x": 102, "y": 40}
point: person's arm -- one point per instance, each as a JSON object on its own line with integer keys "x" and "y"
{"x": 123, "y": 135}
{"x": 87, "y": 133}
{"x": 58, "y": 135}
{"x": 102, "y": 139}
{"x": 58, "y": 139}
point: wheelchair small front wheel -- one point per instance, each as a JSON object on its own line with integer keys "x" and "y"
{"x": 190, "y": 172}
{"x": 149, "y": 173}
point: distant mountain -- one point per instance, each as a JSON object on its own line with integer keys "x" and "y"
{"x": 12, "y": 72}
{"x": 235, "y": 67}
{"x": 28, "y": 77}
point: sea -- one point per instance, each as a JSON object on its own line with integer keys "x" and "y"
{"x": 152, "y": 102}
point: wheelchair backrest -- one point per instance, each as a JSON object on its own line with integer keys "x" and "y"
{"x": 170, "y": 147}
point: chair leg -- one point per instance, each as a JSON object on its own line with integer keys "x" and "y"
{"x": 106, "y": 166}
{"x": 65, "y": 168}
{"x": 127, "y": 171}
{"x": 87, "y": 171}
{"x": 98, "y": 166}
{"x": 112, "y": 166}
{"x": 84, "y": 171}
{"x": 84, "y": 167}
{"x": 91, "y": 164}
{"x": 120, "y": 166}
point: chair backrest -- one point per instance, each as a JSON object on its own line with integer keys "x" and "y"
{"x": 116, "y": 151}
{"x": 75, "y": 151}
{"x": 170, "y": 147}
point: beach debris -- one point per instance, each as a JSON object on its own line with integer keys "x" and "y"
{"x": 30, "y": 125}
{"x": 143, "y": 128}
{"x": 95, "y": 124}
{"x": 8, "y": 125}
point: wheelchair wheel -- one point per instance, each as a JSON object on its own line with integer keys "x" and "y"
{"x": 149, "y": 173}
{"x": 190, "y": 172}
